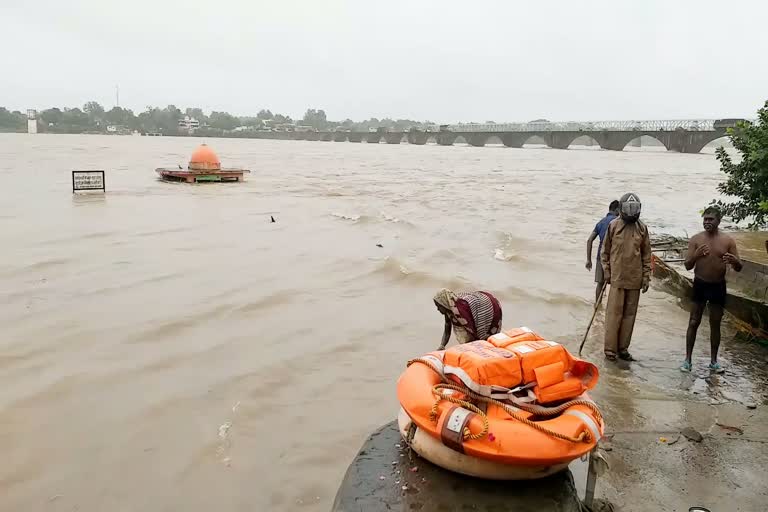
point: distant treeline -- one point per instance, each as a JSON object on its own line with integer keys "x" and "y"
{"x": 93, "y": 118}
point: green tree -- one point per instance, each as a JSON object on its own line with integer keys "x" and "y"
{"x": 94, "y": 110}
{"x": 280, "y": 118}
{"x": 264, "y": 115}
{"x": 315, "y": 119}
{"x": 223, "y": 121}
{"x": 52, "y": 116}
{"x": 121, "y": 117}
{"x": 11, "y": 121}
{"x": 198, "y": 114}
{"x": 165, "y": 121}
{"x": 747, "y": 180}
{"x": 254, "y": 122}
{"x": 76, "y": 119}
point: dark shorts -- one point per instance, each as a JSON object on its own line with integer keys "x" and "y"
{"x": 704, "y": 292}
{"x": 599, "y": 272}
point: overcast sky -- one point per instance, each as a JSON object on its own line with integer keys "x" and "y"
{"x": 445, "y": 60}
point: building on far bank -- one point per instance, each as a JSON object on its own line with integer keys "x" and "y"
{"x": 31, "y": 121}
{"x": 189, "y": 123}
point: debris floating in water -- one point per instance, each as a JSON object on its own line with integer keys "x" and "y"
{"x": 272, "y": 217}
{"x": 224, "y": 430}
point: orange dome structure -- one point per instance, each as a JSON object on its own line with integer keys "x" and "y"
{"x": 204, "y": 159}
{"x": 204, "y": 166}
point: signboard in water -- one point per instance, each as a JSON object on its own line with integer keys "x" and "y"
{"x": 88, "y": 180}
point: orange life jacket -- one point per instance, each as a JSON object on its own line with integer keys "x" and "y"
{"x": 519, "y": 357}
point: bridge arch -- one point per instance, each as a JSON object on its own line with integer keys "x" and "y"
{"x": 481, "y": 139}
{"x": 712, "y": 145}
{"x": 432, "y": 139}
{"x": 636, "y": 143}
{"x": 493, "y": 140}
{"x": 534, "y": 140}
{"x": 460, "y": 139}
{"x": 585, "y": 141}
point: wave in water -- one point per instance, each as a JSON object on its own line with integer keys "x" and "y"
{"x": 369, "y": 219}
{"x": 353, "y": 218}
{"x": 506, "y": 255}
{"x": 394, "y": 269}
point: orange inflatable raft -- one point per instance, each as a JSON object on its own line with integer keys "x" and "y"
{"x": 513, "y": 407}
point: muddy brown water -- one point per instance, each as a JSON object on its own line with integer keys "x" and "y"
{"x": 166, "y": 347}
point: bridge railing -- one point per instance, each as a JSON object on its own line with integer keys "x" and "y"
{"x": 649, "y": 125}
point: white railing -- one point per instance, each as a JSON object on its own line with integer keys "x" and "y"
{"x": 649, "y": 126}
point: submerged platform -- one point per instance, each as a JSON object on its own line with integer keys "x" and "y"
{"x": 206, "y": 176}
{"x": 386, "y": 475}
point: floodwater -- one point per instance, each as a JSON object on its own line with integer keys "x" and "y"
{"x": 166, "y": 347}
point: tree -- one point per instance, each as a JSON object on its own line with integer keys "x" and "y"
{"x": 198, "y": 114}
{"x": 280, "y": 119}
{"x": 223, "y": 121}
{"x": 94, "y": 110}
{"x": 264, "y": 115}
{"x": 76, "y": 118}
{"x": 747, "y": 180}
{"x": 121, "y": 117}
{"x": 11, "y": 121}
{"x": 164, "y": 120}
{"x": 252, "y": 122}
{"x": 315, "y": 118}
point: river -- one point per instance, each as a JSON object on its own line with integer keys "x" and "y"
{"x": 167, "y": 347}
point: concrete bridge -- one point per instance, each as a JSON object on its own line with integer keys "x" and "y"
{"x": 680, "y": 140}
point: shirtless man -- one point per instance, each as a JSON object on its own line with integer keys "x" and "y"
{"x": 708, "y": 254}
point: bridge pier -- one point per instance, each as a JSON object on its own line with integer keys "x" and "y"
{"x": 446, "y": 138}
{"x": 355, "y": 137}
{"x": 559, "y": 140}
{"x": 373, "y": 138}
{"x": 339, "y": 137}
{"x": 393, "y": 138}
{"x": 477, "y": 140}
{"x": 418, "y": 138}
{"x": 514, "y": 140}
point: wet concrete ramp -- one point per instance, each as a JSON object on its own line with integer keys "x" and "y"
{"x": 385, "y": 475}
